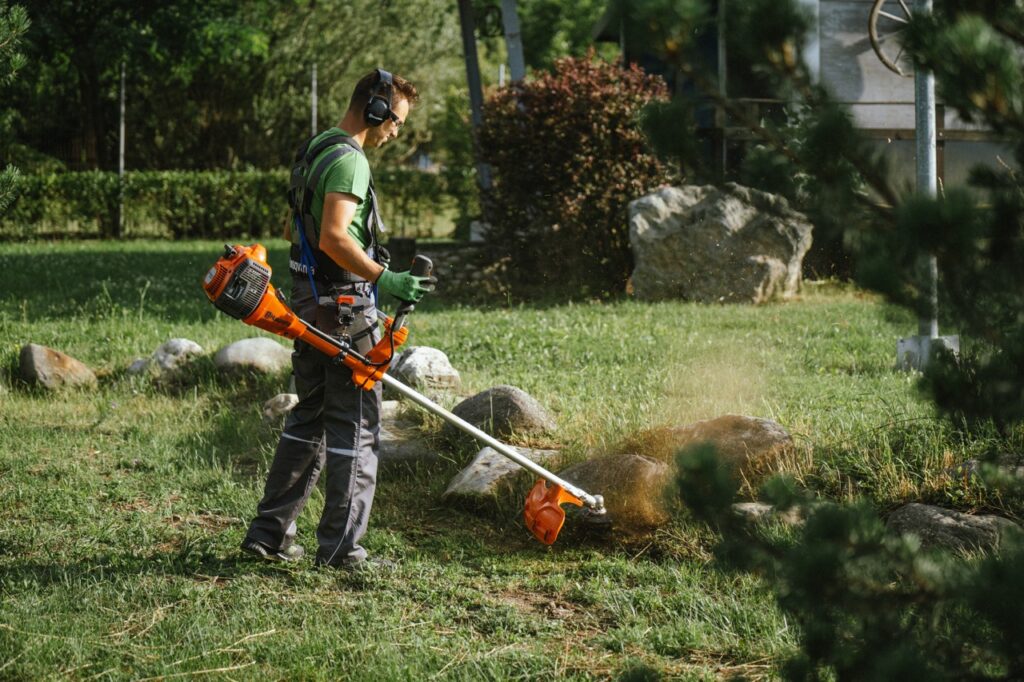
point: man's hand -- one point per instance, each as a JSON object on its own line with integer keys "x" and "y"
{"x": 405, "y": 286}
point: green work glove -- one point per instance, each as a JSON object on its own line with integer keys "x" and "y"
{"x": 404, "y": 286}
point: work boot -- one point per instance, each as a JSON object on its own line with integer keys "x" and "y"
{"x": 291, "y": 553}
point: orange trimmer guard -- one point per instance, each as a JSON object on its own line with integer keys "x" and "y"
{"x": 543, "y": 513}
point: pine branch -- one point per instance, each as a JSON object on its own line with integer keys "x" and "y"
{"x": 873, "y": 180}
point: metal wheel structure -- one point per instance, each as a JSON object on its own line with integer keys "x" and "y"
{"x": 887, "y": 20}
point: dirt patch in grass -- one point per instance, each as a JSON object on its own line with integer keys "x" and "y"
{"x": 205, "y": 520}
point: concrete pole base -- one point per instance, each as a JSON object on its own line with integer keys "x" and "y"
{"x": 914, "y": 352}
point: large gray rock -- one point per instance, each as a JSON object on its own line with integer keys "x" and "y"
{"x": 633, "y": 487}
{"x": 51, "y": 369}
{"x": 712, "y": 245}
{"x": 938, "y": 527}
{"x": 169, "y": 357}
{"x": 257, "y": 354}
{"x": 427, "y": 370}
{"x": 501, "y": 411}
{"x": 490, "y": 474}
{"x": 750, "y": 445}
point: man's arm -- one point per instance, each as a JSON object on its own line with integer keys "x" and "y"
{"x": 337, "y": 243}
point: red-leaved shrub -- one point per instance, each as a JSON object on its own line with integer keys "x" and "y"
{"x": 567, "y": 156}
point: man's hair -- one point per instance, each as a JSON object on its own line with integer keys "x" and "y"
{"x": 400, "y": 88}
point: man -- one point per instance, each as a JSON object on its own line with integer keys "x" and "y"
{"x": 335, "y": 425}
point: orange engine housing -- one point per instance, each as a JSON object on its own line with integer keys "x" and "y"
{"x": 239, "y": 285}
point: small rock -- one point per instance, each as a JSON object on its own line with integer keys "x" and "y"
{"x": 749, "y": 444}
{"x": 489, "y": 474}
{"x": 279, "y": 406}
{"x": 633, "y": 487}
{"x": 52, "y": 369}
{"x": 427, "y": 370}
{"x": 401, "y": 443}
{"x": 501, "y": 411}
{"x": 257, "y": 354}
{"x": 389, "y": 410}
{"x": 939, "y": 527}
{"x": 138, "y": 366}
{"x": 1006, "y": 465}
{"x": 759, "y": 512}
{"x": 175, "y": 353}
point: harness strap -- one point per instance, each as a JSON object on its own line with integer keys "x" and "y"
{"x": 311, "y": 260}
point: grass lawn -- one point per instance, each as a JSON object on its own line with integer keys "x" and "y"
{"x": 123, "y": 507}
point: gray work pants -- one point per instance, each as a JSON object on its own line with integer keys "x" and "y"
{"x": 335, "y": 428}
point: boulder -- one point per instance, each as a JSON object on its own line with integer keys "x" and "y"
{"x": 51, "y": 369}
{"x": 716, "y": 245}
{"x": 500, "y": 411}
{"x": 939, "y": 527}
{"x": 633, "y": 487}
{"x": 258, "y": 354}
{"x": 748, "y": 444}
{"x": 279, "y": 406}
{"x": 490, "y": 474}
{"x": 427, "y": 370}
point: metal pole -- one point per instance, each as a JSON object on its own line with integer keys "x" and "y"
{"x": 120, "y": 162}
{"x": 476, "y": 97}
{"x": 916, "y": 352}
{"x": 927, "y": 170}
{"x": 723, "y": 89}
{"x": 595, "y": 502}
{"x": 513, "y": 39}
{"x": 312, "y": 102}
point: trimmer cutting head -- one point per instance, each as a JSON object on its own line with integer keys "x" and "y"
{"x": 543, "y": 513}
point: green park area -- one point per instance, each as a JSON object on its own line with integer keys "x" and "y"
{"x": 724, "y": 301}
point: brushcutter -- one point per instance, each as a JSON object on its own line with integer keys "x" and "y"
{"x": 239, "y": 285}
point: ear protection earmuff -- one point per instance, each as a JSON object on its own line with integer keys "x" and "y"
{"x": 378, "y": 107}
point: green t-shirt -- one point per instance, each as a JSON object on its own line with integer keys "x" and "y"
{"x": 349, "y": 174}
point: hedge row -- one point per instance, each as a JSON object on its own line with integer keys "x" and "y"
{"x": 183, "y": 204}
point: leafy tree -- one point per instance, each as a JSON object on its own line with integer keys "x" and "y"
{"x": 219, "y": 84}
{"x": 552, "y": 29}
{"x": 418, "y": 39}
{"x": 13, "y": 24}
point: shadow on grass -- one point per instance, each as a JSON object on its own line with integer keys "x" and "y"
{"x": 163, "y": 279}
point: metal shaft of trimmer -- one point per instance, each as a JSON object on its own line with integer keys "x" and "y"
{"x": 594, "y": 502}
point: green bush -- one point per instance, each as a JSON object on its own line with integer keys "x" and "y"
{"x": 568, "y": 156}
{"x": 186, "y": 204}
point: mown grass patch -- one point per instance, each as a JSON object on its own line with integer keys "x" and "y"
{"x": 124, "y": 506}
